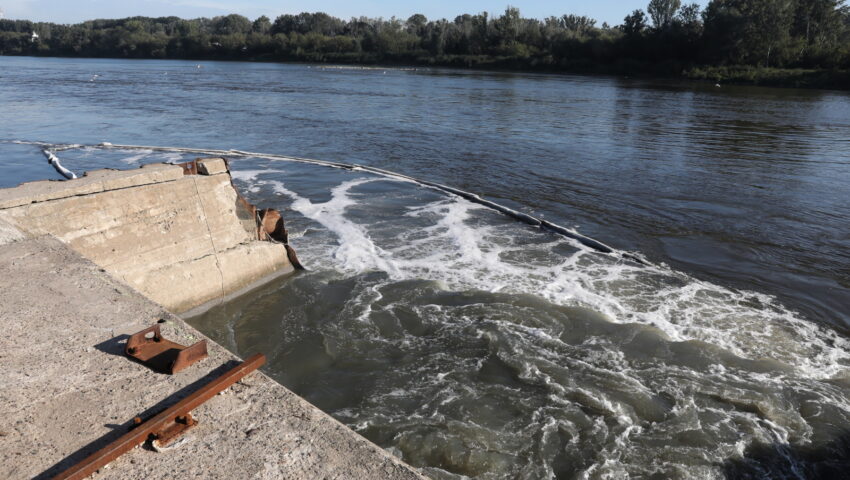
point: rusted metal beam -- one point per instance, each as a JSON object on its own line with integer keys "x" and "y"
{"x": 163, "y": 423}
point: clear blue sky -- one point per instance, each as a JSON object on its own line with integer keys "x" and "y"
{"x": 71, "y": 11}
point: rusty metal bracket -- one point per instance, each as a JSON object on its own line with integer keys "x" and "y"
{"x": 272, "y": 225}
{"x": 189, "y": 168}
{"x": 162, "y": 355}
{"x": 165, "y": 426}
{"x": 170, "y": 431}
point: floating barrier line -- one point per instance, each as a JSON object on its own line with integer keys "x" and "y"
{"x": 54, "y": 160}
{"x": 50, "y": 149}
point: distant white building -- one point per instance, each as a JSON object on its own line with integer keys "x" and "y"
{"x": 34, "y": 37}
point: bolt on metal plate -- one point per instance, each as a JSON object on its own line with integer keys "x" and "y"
{"x": 152, "y": 349}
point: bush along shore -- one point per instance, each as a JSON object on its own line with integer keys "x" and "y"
{"x": 773, "y": 77}
{"x": 799, "y": 43}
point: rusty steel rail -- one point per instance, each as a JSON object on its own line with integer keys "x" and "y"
{"x": 178, "y": 413}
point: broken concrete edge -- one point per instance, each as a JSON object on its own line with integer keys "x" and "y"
{"x": 270, "y": 224}
{"x": 171, "y": 231}
{"x": 205, "y": 166}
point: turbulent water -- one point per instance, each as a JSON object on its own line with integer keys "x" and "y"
{"x": 473, "y": 345}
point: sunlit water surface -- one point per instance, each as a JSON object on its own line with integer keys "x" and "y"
{"x": 473, "y": 345}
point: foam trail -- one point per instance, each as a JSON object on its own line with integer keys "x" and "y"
{"x": 356, "y": 251}
{"x": 134, "y": 159}
{"x": 465, "y": 257}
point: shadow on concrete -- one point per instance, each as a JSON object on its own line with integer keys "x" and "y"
{"x": 821, "y": 462}
{"x": 120, "y": 429}
{"x": 114, "y": 346}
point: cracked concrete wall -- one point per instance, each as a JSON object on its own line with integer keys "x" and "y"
{"x": 176, "y": 238}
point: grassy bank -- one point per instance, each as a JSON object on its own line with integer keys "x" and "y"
{"x": 772, "y": 77}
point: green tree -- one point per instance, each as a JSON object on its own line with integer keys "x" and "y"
{"x": 580, "y": 25}
{"x": 262, "y": 25}
{"x": 507, "y": 26}
{"x": 231, "y": 24}
{"x": 775, "y": 33}
{"x": 634, "y": 23}
{"x": 662, "y": 12}
{"x": 417, "y": 24}
{"x": 755, "y": 32}
{"x": 822, "y": 29}
{"x": 690, "y": 15}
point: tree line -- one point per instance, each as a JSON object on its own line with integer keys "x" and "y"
{"x": 667, "y": 37}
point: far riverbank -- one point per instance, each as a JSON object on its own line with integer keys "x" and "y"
{"x": 732, "y": 74}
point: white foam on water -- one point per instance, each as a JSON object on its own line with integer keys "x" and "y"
{"x": 250, "y": 178}
{"x": 171, "y": 157}
{"x": 137, "y": 157}
{"x": 461, "y": 250}
{"x": 356, "y": 251}
{"x": 748, "y": 324}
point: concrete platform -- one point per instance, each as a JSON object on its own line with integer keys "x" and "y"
{"x": 66, "y": 389}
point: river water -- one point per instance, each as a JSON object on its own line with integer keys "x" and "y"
{"x": 472, "y": 345}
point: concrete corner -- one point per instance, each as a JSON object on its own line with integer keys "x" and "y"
{"x": 211, "y": 166}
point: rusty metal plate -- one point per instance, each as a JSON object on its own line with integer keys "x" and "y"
{"x": 171, "y": 431}
{"x": 273, "y": 225}
{"x": 162, "y": 355}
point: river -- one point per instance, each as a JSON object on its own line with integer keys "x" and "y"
{"x": 470, "y": 344}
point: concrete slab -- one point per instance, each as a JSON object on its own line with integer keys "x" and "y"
{"x": 211, "y": 166}
{"x": 67, "y": 389}
{"x": 180, "y": 240}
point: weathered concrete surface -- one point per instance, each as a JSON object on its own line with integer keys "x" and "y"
{"x": 66, "y": 389}
{"x": 94, "y": 182}
{"x": 177, "y": 239}
{"x": 9, "y": 234}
